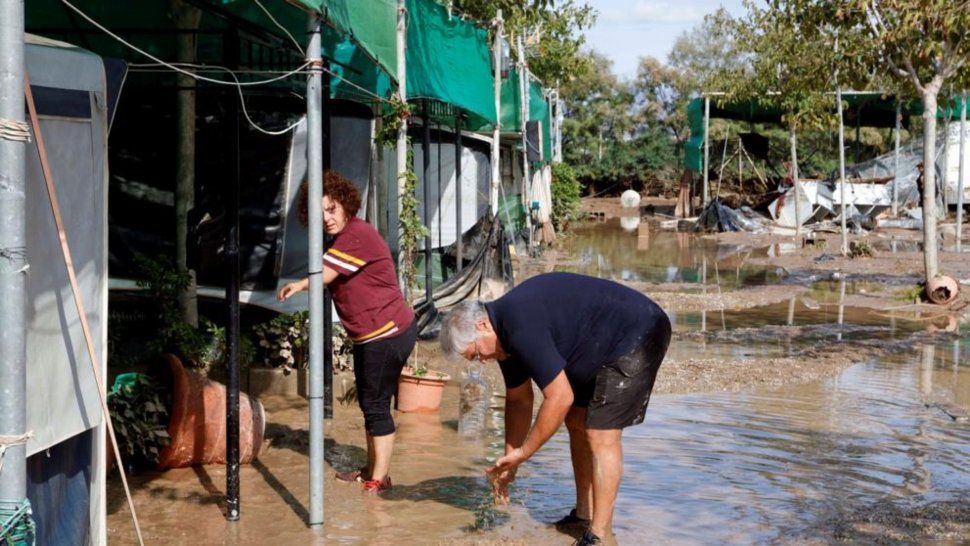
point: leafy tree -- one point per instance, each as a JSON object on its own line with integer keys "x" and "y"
{"x": 921, "y": 45}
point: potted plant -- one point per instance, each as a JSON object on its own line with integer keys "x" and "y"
{"x": 283, "y": 344}
{"x": 139, "y": 413}
{"x": 419, "y": 389}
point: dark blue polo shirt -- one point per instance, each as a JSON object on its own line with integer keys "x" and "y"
{"x": 563, "y": 321}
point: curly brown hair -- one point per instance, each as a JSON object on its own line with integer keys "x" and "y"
{"x": 337, "y": 188}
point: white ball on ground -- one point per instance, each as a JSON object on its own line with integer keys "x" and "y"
{"x": 630, "y": 199}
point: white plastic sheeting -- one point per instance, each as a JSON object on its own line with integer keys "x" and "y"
{"x": 476, "y": 178}
{"x": 63, "y": 399}
{"x": 62, "y": 396}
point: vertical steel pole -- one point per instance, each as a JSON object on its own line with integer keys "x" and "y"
{"x": 231, "y": 45}
{"x": 523, "y": 125}
{"x": 458, "y": 189}
{"x": 326, "y": 162}
{"x": 899, "y": 121}
{"x": 13, "y": 256}
{"x": 425, "y": 186}
{"x": 707, "y": 148}
{"x": 944, "y": 183}
{"x": 497, "y": 131}
{"x": 795, "y": 183}
{"x": 961, "y": 183}
{"x": 438, "y": 212}
{"x": 845, "y": 234}
{"x": 314, "y": 100}
{"x": 402, "y": 132}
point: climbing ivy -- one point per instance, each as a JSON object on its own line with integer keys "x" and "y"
{"x": 411, "y": 227}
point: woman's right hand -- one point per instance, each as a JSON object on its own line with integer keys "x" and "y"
{"x": 289, "y": 290}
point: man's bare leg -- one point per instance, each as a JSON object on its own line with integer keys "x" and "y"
{"x": 582, "y": 460}
{"x": 607, "y": 451}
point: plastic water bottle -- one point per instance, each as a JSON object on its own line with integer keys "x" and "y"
{"x": 473, "y": 403}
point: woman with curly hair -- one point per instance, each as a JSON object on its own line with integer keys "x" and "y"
{"x": 359, "y": 271}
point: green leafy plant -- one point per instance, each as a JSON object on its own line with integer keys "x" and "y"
{"x": 163, "y": 283}
{"x": 285, "y": 341}
{"x": 398, "y": 111}
{"x": 139, "y": 414}
{"x": 412, "y": 229}
{"x": 566, "y": 196}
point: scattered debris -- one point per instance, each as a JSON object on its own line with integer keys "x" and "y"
{"x": 717, "y": 217}
{"x": 861, "y": 249}
{"x": 953, "y": 411}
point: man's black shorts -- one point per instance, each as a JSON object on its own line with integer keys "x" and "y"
{"x": 618, "y": 395}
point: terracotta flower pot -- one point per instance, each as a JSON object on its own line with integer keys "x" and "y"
{"x": 941, "y": 289}
{"x": 197, "y": 423}
{"x": 420, "y": 393}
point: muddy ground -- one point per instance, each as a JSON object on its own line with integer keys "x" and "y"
{"x": 441, "y": 490}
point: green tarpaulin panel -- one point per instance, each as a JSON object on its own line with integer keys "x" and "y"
{"x": 448, "y": 60}
{"x": 511, "y": 103}
{"x": 370, "y": 23}
{"x": 867, "y": 109}
{"x": 539, "y": 111}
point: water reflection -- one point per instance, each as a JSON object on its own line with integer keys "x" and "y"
{"x": 607, "y": 250}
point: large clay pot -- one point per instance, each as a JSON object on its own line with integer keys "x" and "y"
{"x": 941, "y": 289}
{"x": 197, "y": 423}
{"x": 420, "y": 393}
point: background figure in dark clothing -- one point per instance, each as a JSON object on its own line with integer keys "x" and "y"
{"x": 593, "y": 347}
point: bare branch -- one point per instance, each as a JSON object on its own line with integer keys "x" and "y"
{"x": 913, "y": 74}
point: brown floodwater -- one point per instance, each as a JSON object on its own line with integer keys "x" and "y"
{"x": 608, "y": 251}
{"x": 871, "y": 454}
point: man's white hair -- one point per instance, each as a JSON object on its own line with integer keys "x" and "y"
{"x": 458, "y": 327}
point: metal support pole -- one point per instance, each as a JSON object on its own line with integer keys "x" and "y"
{"x": 962, "y": 181}
{"x": 524, "y": 121}
{"x": 425, "y": 186}
{"x": 402, "y": 132}
{"x": 899, "y": 121}
{"x": 314, "y": 100}
{"x": 231, "y": 47}
{"x": 707, "y": 148}
{"x": 795, "y": 183}
{"x": 326, "y": 162}
{"x": 497, "y": 131}
{"x": 845, "y": 234}
{"x": 459, "y": 258}
{"x": 13, "y": 256}
{"x": 438, "y": 212}
{"x": 945, "y": 182}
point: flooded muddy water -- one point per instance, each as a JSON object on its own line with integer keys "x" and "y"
{"x": 875, "y": 452}
{"x": 606, "y": 250}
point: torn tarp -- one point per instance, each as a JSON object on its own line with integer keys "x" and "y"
{"x": 487, "y": 275}
{"x": 717, "y": 217}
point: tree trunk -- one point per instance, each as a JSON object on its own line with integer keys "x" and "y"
{"x": 186, "y": 18}
{"x": 930, "y": 243}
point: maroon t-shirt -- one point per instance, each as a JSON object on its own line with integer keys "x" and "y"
{"x": 366, "y": 292}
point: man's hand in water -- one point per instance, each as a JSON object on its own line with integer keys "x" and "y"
{"x": 503, "y": 473}
{"x": 500, "y": 480}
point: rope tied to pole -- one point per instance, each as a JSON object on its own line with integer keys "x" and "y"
{"x": 14, "y": 257}
{"x": 11, "y": 440}
{"x": 15, "y": 130}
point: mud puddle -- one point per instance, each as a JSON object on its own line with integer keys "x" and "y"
{"x": 779, "y": 465}
{"x": 606, "y": 250}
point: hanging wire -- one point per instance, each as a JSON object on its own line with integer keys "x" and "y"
{"x": 281, "y": 27}
{"x": 171, "y": 65}
{"x": 238, "y": 86}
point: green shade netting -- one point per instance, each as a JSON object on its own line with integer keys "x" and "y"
{"x": 539, "y": 111}
{"x": 511, "y": 103}
{"x": 867, "y": 109}
{"x": 448, "y": 60}
{"x": 145, "y": 28}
